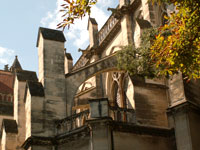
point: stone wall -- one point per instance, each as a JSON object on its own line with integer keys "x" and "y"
{"x": 194, "y": 119}
{"x": 52, "y": 75}
{"x": 19, "y": 109}
{"x": 128, "y": 141}
{"x": 77, "y": 144}
{"x": 151, "y": 104}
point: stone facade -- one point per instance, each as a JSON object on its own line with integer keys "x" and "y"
{"x": 93, "y": 105}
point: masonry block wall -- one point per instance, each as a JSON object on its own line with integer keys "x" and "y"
{"x": 52, "y": 74}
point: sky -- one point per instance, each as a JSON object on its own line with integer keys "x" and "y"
{"x": 21, "y": 19}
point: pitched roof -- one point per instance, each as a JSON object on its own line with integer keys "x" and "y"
{"x": 36, "y": 88}
{"x": 10, "y": 126}
{"x": 6, "y": 82}
{"x": 16, "y": 65}
{"x": 5, "y": 89}
{"x": 24, "y": 75}
{"x": 51, "y": 34}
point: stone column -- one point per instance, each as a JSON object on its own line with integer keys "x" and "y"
{"x": 100, "y": 130}
{"x": 126, "y": 22}
{"x": 100, "y": 134}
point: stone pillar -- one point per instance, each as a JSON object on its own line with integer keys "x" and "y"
{"x": 126, "y": 22}
{"x": 50, "y": 45}
{"x": 9, "y": 135}
{"x": 100, "y": 130}
{"x": 100, "y": 134}
{"x": 19, "y": 108}
{"x": 34, "y": 105}
{"x": 182, "y": 131}
{"x": 93, "y": 32}
{"x": 176, "y": 90}
{"x": 179, "y": 120}
{"x": 68, "y": 62}
{"x": 99, "y": 108}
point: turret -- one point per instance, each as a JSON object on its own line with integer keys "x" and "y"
{"x": 16, "y": 65}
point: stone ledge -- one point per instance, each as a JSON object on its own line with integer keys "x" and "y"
{"x": 184, "y": 107}
{"x": 139, "y": 129}
{"x": 56, "y": 140}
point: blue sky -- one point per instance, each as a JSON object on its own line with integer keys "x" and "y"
{"x": 19, "y": 23}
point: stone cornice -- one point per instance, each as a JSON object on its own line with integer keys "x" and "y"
{"x": 84, "y": 131}
{"x": 72, "y": 135}
{"x": 184, "y": 107}
{"x": 139, "y": 129}
{"x": 56, "y": 140}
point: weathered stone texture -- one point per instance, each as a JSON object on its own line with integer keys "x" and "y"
{"x": 176, "y": 90}
{"x": 194, "y": 122}
{"x": 182, "y": 132}
{"x": 127, "y": 141}
{"x": 151, "y": 104}
{"x": 79, "y": 143}
{"x": 66, "y": 108}
{"x": 52, "y": 76}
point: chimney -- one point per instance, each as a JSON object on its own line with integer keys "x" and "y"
{"x": 93, "y": 32}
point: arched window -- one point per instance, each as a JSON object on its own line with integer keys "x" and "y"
{"x": 118, "y": 93}
{"x": 5, "y": 97}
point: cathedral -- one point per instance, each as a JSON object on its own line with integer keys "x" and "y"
{"x": 92, "y": 105}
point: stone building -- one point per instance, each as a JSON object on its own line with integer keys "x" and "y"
{"x": 92, "y": 105}
{"x": 6, "y": 90}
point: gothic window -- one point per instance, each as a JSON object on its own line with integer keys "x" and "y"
{"x": 118, "y": 93}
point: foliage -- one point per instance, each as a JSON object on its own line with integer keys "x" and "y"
{"x": 177, "y": 46}
{"x": 74, "y": 9}
{"x": 137, "y": 61}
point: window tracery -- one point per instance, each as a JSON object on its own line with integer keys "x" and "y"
{"x": 118, "y": 93}
{"x": 121, "y": 86}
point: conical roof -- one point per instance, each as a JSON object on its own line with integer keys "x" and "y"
{"x": 16, "y": 65}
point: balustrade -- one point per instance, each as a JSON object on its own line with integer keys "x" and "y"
{"x": 78, "y": 120}
{"x": 108, "y": 26}
{"x": 122, "y": 114}
{"x": 72, "y": 122}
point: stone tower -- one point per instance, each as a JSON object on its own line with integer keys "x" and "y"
{"x": 50, "y": 45}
